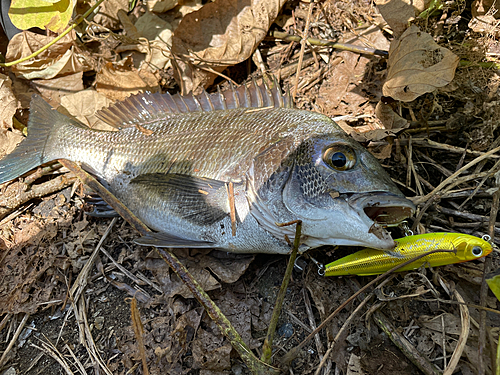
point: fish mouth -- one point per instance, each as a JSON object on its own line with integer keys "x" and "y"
{"x": 383, "y": 209}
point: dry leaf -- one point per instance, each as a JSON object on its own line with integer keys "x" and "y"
{"x": 160, "y": 6}
{"x": 8, "y": 141}
{"x": 53, "y": 89}
{"x": 159, "y": 34}
{"x": 389, "y": 118}
{"x": 346, "y": 88}
{"x": 398, "y": 13}
{"x": 84, "y": 104}
{"x": 59, "y": 59}
{"x": 417, "y": 65}
{"x": 484, "y": 17}
{"x": 354, "y": 366}
{"x": 221, "y": 34}
{"x": 118, "y": 81}
{"x": 108, "y": 13}
{"x": 8, "y": 102}
{"x": 227, "y": 270}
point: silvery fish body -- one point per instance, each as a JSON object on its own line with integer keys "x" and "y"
{"x": 220, "y": 170}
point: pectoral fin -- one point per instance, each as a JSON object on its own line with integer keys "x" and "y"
{"x": 168, "y": 240}
{"x": 199, "y": 200}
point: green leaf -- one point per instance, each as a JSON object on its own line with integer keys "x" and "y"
{"x": 51, "y": 14}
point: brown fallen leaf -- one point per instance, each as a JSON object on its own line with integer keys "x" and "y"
{"x": 484, "y": 17}
{"x": 118, "y": 81}
{"x": 417, "y": 65}
{"x": 159, "y": 35}
{"x": 220, "y": 34}
{"x": 58, "y": 60}
{"x": 8, "y": 141}
{"x": 8, "y": 103}
{"x": 54, "y": 89}
{"x": 160, "y": 6}
{"x": 107, "y": 16}
{"x": 227, "y": 270}
{"x": 398, "y": 13}
{"x": 84, "y": 104}
{"x": 389, "y": 118}
{"x": 171, "y": 284}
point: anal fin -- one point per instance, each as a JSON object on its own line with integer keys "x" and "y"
{"x": 169, "y": 240}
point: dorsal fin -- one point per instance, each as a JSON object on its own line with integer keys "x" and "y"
{"x": 146, "y": 107}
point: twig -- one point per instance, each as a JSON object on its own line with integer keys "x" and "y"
{"x": 4, "y": 321}
{"x": 88, "y": 342}
{"x": 14, "y": 338}
{"x": 312, "y": 323}
{"x": 139, "y": 334}
{"x": 129, "y": 274}
{"x": 81, "y": 280}
{"x": 8, "y": 203}
{"x": 454, "y": 175}
{"x": 58, "y": 38}
{"x": 303, "y": 42}
{"x": 481, "y": 183}
{"x": 268, "y": 342}
{"x": 329, "y": 43}
{"x": 464, "y": 334}
{"x": 79, "y": 364}
{"x": 466, "y": 215}
{"x": 56, "y": 355}
{"x": 406, "y": 347}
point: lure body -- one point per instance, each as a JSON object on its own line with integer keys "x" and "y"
{"x": 372, "y": 262}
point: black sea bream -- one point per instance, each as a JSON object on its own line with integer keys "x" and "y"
{"x": 176, "y": 161}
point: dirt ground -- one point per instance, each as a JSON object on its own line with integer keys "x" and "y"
{"x": 62, "y": 317}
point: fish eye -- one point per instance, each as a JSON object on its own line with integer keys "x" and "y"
{"x": 477, "y": 251}
{"x": 339, "y": 157}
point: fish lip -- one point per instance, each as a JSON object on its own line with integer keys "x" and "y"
{"x": 382, "y": 208}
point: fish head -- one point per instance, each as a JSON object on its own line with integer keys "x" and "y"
{"x": 342, "y": 194}
{"x": 470, "y": 247}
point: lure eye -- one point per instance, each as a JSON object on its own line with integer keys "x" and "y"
{"x": 477, "y": 251}
{"x": 340, "y": 157}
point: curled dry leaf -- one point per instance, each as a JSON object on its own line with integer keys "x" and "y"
{"x": 221, "y": 34}
{"x": 398, "y": 13}
{"x": 8, "y": 102}
{"x": 53, "y": 15}
{"x": 159, "y": 34}
{"x": 58, "y": 60}
{"x": 389, "y": 118}
{"x": 417, "y": 65}
{"x": 118, "y": 81}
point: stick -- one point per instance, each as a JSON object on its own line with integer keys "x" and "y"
{"x": 267, "y": 349}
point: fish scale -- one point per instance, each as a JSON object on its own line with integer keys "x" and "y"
{"x": 171, "y": 159}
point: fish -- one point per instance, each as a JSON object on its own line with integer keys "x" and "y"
{"x": 369, "y": 261}
{"x": 220, "y": 170}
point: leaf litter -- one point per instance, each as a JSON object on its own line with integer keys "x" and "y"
{"x": 46, "y": 240}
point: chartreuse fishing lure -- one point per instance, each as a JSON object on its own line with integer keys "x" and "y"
{"x": 372, "y": 262}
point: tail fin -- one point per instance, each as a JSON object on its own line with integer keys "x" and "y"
{"x": 30, "y": 153}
